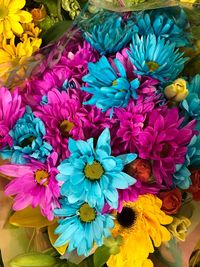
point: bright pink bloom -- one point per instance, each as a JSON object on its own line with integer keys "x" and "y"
{"x": 34, "y": 184}
{"x": 132, "y": 120}
{"x": 164, "y": 142}
{"x": 10, "y": 111}
{"x": 62, "y": 120}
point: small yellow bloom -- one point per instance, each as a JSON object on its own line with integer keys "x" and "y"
{"x": 38, "y": 14}
{"x": 179, "y": 227}
{"x": 141, "y": 225}
{"x": 11, "y": 17}
{"x": 14, "y": 56}
{"x": 177, "y": 91}
{"x": 30, "y": 30}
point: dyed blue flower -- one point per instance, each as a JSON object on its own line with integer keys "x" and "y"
{"x": 163, "y": 26}
{"x": 154, "y": 56}
{"x": 109, "y": 34}
{"x": 27, "y": 135}
{"x": 191, "y": 104}
{"x": 108, "y": 88}
{"x": 81, "y": 226}
{"x": 182, "y": 175}
{"x": 92, "y": 174}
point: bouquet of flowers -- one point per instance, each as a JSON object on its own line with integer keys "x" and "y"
{"x": 101, "y": 143}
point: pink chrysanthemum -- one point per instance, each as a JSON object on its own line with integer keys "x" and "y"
{"x": 132, "y": 120}
{"x": 164, "y": 142}
{"x": 10, "y": 111}
{"x": 34, "y": 184}
{"x": 61, "y": 119}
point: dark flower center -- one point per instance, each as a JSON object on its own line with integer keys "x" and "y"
{"x": 86, "y": 213}
{"x": 165, "y": 150}
{"x": 65, "y": 127}
{"x": 127, "y": 217}
{"x": 42, "y": 177}
{"x": 93, "y": 171}
{"x": 28, "y": 141}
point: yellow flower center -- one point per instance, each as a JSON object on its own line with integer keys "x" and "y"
{"x": 152, "y": 65}
{"x": 114, "y": 83}
{"x": 93, "y": 171}
{"x": 65, "y": 127}
{"x": 27, "y": 142}
{"x": 127, "y": 217}
{"x": 42, "y": 177}
{"x": 3, "y": 12}
{"x": 86, "y": 213}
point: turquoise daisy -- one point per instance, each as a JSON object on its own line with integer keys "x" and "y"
{"x": 93, "y": 174}
{"x": 81, "y": 226}
{"x": 155, "y": 57}
{"x": 110, "y": 88}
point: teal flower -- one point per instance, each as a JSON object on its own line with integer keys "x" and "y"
{"x": 92, "y": 174}
{"x": 109, "y": 34}
{"x": 27, "y": 135}
{"x": 81, "y": 226}
{"x": 154, "y": 56}
{"x": 182, "y": 175}
{"x": 191, "y": 104}
{"x": 164, "y": 26}
{"x": 110, "y": 88}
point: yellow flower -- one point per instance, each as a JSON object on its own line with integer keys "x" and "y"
{"x": 188, "y": 1}
{"x": 11, "y": 16}
{"x": 141, "y": 225}
{"x": 14, "y": 56}
{"x": 179, "y": 227}
{"x": 30, "y": 30}
{"x": 177, "y": 91}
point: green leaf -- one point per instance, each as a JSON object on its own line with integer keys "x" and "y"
{"x": 101, "y": 256}
{"x": 56, "y": 31}
{"x": 33, "y": 259}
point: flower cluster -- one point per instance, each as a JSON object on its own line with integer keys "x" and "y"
{"x": 105, "y": 140}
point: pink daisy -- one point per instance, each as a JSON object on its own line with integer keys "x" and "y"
{"x": 34, "y": 184}
{"x": 10, "y": 111}
{"x": 164, "y": 142}
{"x": 61, "y": 119}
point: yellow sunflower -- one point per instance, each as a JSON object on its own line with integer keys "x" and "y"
{"x": 11, "y": 17}
{"x": 141, "y": 224}
{"x": 12, "y": 57}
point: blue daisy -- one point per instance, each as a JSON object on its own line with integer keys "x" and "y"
{"x": 110, "y": 88}
{"x": 27, "y": 135}
{"x": 191, "y": 104}
{"x": 81, "y": 226}
{"x": 154, "y": 56}
{"x": 92, "y": 174}
{"x": 164, "y": 26}
{"x": 110, "y": 33}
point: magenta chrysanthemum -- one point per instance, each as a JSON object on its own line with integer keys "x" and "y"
{"x": 164, "y": 142}
{"x": 10, "y": 112}
{"x": 34, "y": 184}
{"x": 61, "y": 119}
{"x": 132, "y": 119}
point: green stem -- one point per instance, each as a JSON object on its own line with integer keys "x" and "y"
{"x": 59, "y": 4}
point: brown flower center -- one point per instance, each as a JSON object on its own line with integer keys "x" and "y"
{"x": 86, "y": 213}
{"x": 42, "y": 177}
{"x": 65, "y": 127}
{"x": 127, "y": 217}
{"x": 3, "y": 12}
{"x": 93, "y": 171}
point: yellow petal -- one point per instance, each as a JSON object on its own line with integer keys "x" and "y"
{"x": 53, "y": 237}
{"x": 29, "y": 217}
{"x": 25, "y": 17}
{"x": 4, "y": 56}
{"x": 17, "y": 27}
{"x": 14, "y": 5}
